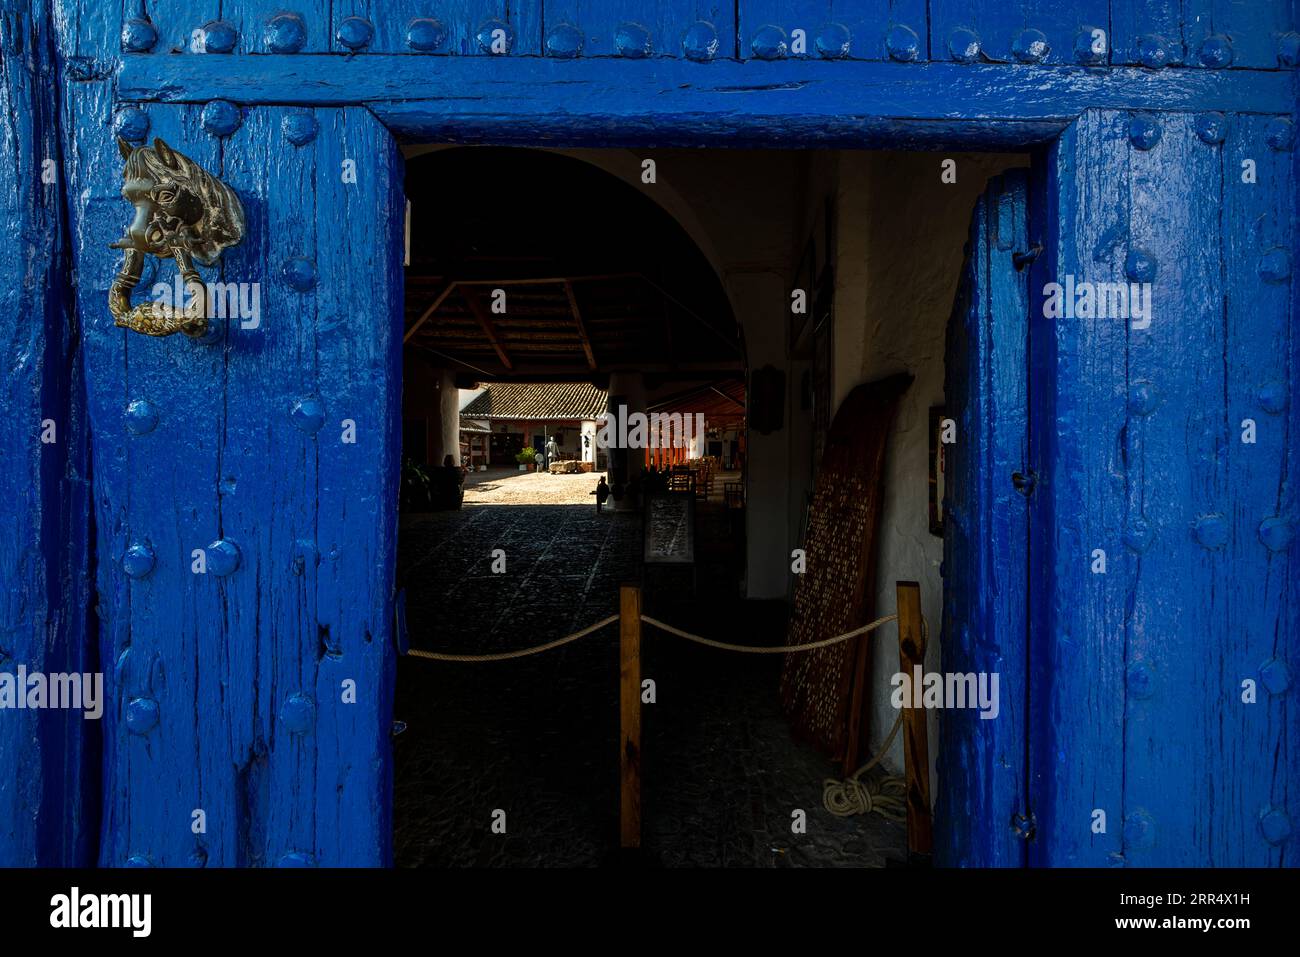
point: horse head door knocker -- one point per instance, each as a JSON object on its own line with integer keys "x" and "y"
{"x": 182, "y": 212}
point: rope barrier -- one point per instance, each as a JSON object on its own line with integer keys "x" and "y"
{"x": 843, "y": 798}
{"x": 698, "y": 639}
{"x": 521, "y": 653}
{"x": 768, "y": 649}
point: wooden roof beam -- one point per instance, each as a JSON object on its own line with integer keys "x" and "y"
{"x": 489, "y": 329}
{"x": 424, "y": 316}
{"x": 582, "y": 329}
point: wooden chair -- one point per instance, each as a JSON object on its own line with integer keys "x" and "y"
{"x": 703, "y": 478}
{"x": 681, "y": 479}
{"x": 733, "y": 494}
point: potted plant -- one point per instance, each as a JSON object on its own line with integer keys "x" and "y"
{"x": 527, "y": 458}
{"x": 417, "y": 487}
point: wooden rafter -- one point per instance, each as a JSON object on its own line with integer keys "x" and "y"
{"x": 582, "y": 329}
{"x": 424, "y": 316}
{"x": 489, "y": 328}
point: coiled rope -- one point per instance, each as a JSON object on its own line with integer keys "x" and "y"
{"x": 886, "y": 796}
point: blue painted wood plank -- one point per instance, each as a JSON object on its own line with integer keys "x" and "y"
{"x": 271, "y": 26}
{"x": 245, "y": 675}
{"x": 1222, "y": 33}
{"x": 985, "y": 530}
{"x": 465, "y": 27}
{"x": 669, "y": 101}
{"x": 95, "y": 220}
{"x": 359, "y": 374}
{"x": 87, "y": 28}
{"x": 1148, "y": 32}
{"x": 1077, "y": 617}
{"x": 857, "y": 29}
{"x": 1177, "y": 486}
{"x": 399, "y": 26}
{"x": 268, "y": 485}
{"x": 179, "y": 25}
{"x": 171, "y": 506}
{"x": 1288, "y": 793}
{"x": 47, "y": 763}
{"x": 1020, "y": 31}
{"x": 1257, "y": 226}
{"x": 1170, "y": 32}
{"x": 632, "y": 28}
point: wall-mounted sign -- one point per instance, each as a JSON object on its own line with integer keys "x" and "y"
{"x": 670, "y": 528}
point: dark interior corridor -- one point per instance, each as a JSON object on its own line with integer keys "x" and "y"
{"x": 538, "y": 737}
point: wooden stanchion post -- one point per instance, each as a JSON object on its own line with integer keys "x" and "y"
{"x": 916, "y": 745}
{"x": 629, "y": 673}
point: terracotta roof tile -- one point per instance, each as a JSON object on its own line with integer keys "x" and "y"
{"x": 551, "y": 400}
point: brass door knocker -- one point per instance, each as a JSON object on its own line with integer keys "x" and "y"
{"x": 182, "y": 212}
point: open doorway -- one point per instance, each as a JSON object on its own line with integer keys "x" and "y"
{"x": 547, "y": 287}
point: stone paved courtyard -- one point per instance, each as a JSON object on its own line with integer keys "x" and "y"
{"x": 511, "y": 487}
{"x": 537, "y": 737}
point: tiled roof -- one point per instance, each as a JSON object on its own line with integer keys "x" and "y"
{"x": 552, "y": 400}
{"x": 471, "y": 425}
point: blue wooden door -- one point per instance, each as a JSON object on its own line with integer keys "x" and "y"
{"x": 986, "y": 519}
{"x": 47, "y": 781}
{"x": 1165, "y": 620}
{"x": 244, "y": 490}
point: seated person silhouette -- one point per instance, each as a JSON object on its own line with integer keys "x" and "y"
{"x": 447, "y": 484}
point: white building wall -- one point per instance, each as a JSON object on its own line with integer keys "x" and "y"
{"x": 891, "y": 315}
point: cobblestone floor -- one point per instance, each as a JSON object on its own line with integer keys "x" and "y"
{"x": 537, "y": 737}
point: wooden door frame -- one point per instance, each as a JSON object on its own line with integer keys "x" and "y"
{"x": 784, "y": 104}
{"x": 797, "y": 104}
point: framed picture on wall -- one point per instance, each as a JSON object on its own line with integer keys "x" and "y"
{"x": 938, "y": 465}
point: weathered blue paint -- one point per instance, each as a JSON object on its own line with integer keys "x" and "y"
{"x": 232, "y": 682}
{"x": 1140, "y": 448}
{"x": 981, "y": 784}
{"x": 803, "y": 104}
{"x": 1214, "y": 34}
{"x": 844, "y": 28}
{"x": 1030, "y": 31}
{"x": 47, "y": 775}
{"x": 225, "y": 688}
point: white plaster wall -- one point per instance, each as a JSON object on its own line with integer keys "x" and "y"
{"x": 746, "y": 210}
{"x": 761, "y": 296}
{"x": 430, "y": 393}
{"x": 900, "y": 247}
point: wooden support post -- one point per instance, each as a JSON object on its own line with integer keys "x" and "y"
{"x": 916, "y": 745}
{"x": 629, "y": 759}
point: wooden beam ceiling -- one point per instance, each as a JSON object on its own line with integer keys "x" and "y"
{"x": 485, "y": 320}
{"x": 577, "y": 320}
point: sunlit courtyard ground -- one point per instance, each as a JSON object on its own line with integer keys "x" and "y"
{"x": 512, "y": 487}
